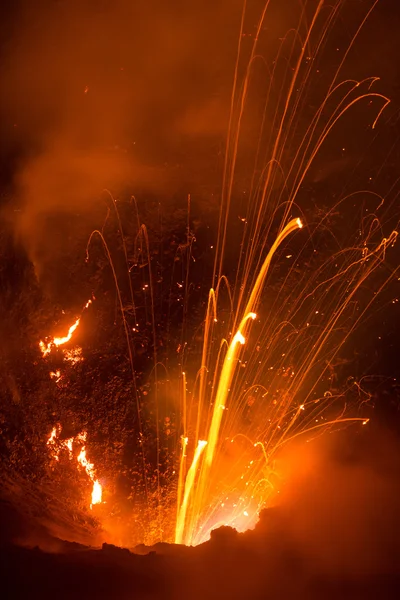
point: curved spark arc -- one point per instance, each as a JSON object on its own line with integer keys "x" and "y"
{"x": 258, "y": 286}
{"x": 252, "y": 246}
{"x": 286, "y": 125}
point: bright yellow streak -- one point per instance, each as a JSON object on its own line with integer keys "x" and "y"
{"x": 303, "y": 355}
{"x": 181, "y": 475}
{"x": 180, "y": 524}
{"x": 225, "y": 381}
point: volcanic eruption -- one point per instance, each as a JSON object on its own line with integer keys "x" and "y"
{"x": 180, "y": 345}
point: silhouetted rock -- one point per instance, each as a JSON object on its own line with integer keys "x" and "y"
{"x": 224, "y": 535}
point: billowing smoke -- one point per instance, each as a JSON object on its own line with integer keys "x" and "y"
{"x": 110, "y": 94}
{"x": 126, "y": 95}
{"x": 339, "y": 503}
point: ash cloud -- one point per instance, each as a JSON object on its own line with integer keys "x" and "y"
{"x": 339, "y": 508}
{"x": 125, "y": 95}
{"x": 112, "y": 73}
{"x": 109, "y": 94}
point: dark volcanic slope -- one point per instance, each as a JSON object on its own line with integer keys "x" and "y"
{"x": 255, "y": 565}
{"x": 335, "y": 535}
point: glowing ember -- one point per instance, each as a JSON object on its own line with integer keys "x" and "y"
{"x": 57, "y": 445}
{"x": 74, "y": 355}
{"x": 46, "y": 348}
{"x": 97, "y": 492}
{"x": 52, "y": 441}
{"x": 89, "y": 468}
{"x": 56, "y": 375}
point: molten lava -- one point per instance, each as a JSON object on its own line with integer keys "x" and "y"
{"x": 46, "y": 348}
{"x": 89, "y": 468}
{"x": 57, "y": 445}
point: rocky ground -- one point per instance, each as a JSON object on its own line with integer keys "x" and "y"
{"x": 334, "y": 535}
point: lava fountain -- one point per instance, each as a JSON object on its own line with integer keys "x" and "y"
{"x": 272, "y": 336}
